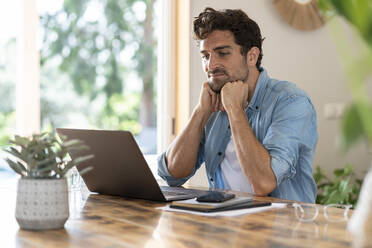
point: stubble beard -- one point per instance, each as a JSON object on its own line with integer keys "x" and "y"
{"x": 217, "y": 84}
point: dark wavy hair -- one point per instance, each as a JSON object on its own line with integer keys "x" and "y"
{"x": 246, "y": 32}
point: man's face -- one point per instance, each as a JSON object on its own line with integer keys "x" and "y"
{"x": 222, "y": 59}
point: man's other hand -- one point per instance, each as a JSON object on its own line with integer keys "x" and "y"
{"x": 234, "y": 95}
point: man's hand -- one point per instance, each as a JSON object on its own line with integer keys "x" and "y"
{"x": 209, "y": 101}
{"x": 234, "y": 95}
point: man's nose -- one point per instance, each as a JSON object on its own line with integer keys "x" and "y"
{"x": 213, "y": 63}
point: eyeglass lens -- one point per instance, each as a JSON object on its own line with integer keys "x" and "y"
{"x": 336, "y": 212}
{"x": 332, "y": 212}
{"x": 306, "y": 212}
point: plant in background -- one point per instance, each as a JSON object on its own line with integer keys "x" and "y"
{"x": 343, "y": 189}
{"x": 357, "y": 122}
{"x": 44, "y": 156}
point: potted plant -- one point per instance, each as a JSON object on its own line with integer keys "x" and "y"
{"x": 42, "y": 195}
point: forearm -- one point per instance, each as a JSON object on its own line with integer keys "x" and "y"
{"x": 181, "y": 155}
{"x": 252, "y": 155}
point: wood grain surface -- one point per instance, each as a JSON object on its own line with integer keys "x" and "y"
{"x": 109, "y": 221}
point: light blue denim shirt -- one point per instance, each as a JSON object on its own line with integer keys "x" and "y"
{"x": 284, "y": 121}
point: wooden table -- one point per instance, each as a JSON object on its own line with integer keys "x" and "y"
{"x": 108, "y": 221}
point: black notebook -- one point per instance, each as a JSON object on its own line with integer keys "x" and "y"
{"x": 235, "y": 203}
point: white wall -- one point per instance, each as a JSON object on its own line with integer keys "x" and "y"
{"x": 308, "y": 59}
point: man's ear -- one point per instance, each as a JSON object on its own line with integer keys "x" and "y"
{"x": 252, "y": 56}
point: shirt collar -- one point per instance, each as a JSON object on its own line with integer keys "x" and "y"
{"x": 260, "y": 86}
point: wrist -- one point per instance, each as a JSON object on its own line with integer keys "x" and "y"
{"x": 235, "y": 112}
{"x": 234, "y": 109}
{"x": 201, "y": 114}
{"x": 200, "y": 111}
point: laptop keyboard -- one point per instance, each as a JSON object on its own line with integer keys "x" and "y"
{"x": 179, "y": 191}
{"x": 170, "y": 193}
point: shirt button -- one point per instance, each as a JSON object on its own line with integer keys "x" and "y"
{"x": 256, "y": 107}
{"x": 228, "y": 127}
{"x": 211, "y": 179}
{"x": 219, "y": 153}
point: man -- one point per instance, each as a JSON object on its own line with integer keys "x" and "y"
{"x": 255, "y": 134}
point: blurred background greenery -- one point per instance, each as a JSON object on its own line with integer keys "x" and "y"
{"x": 344, "y": 188}
{"x": 7, "y": 92}
{"x": 97, "y": 68}
{"x": 357, "y": 122}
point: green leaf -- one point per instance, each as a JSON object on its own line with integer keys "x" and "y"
{"x": 17, "y": 167}
{"x": 15, "y": 153}
{"x": 76, "y": 148}
{"x": 343, "y": 186}
{"x": 338, "y": 172}
{"x": 48, "y": 168}
{"x": 352, "y": 128}
{"x": 343, "y": 189}
{"x": 348, "y": 170}
{"x": 79, "y": 160}
{"x": 75, "y": 162}
{"x": 51, "y": 159}
{"x": 318, "y": 175}
{"x": 20, "y": 141}
{"x": 326, "y": 9}
{"x": 86, "y": 170}
{"x": 72, "y": 142}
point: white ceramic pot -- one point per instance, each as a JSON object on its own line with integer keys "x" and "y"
{"x": 42, "y": 203}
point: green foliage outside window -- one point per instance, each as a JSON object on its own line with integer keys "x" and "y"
{"x": 100, "y": 57}
{"x": 124, "y": 113}
{"x": 7, "y": 91}
{"x": 86, "y": 79}
{"x": 7, "y": 122}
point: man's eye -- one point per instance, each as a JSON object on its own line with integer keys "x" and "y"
{"x": 205, "y": 57}
{"x": 222, "y": 54}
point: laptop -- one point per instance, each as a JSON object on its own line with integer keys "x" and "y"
{"x": 119, "y": 167}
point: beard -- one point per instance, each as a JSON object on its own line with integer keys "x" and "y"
{"x": 217, "y": 84}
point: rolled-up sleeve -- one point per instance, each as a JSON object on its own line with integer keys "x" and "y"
{"x": 164, "y": 173}
{"x": 293, "y": 128}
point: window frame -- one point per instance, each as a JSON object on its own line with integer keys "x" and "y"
{"x": 28, "y": 70}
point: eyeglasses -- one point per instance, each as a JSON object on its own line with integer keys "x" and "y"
{"x": 332, "y": 212}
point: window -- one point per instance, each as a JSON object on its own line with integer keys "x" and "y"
{"x": 87, "y": 64}
{"x": 98, "y": 66}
